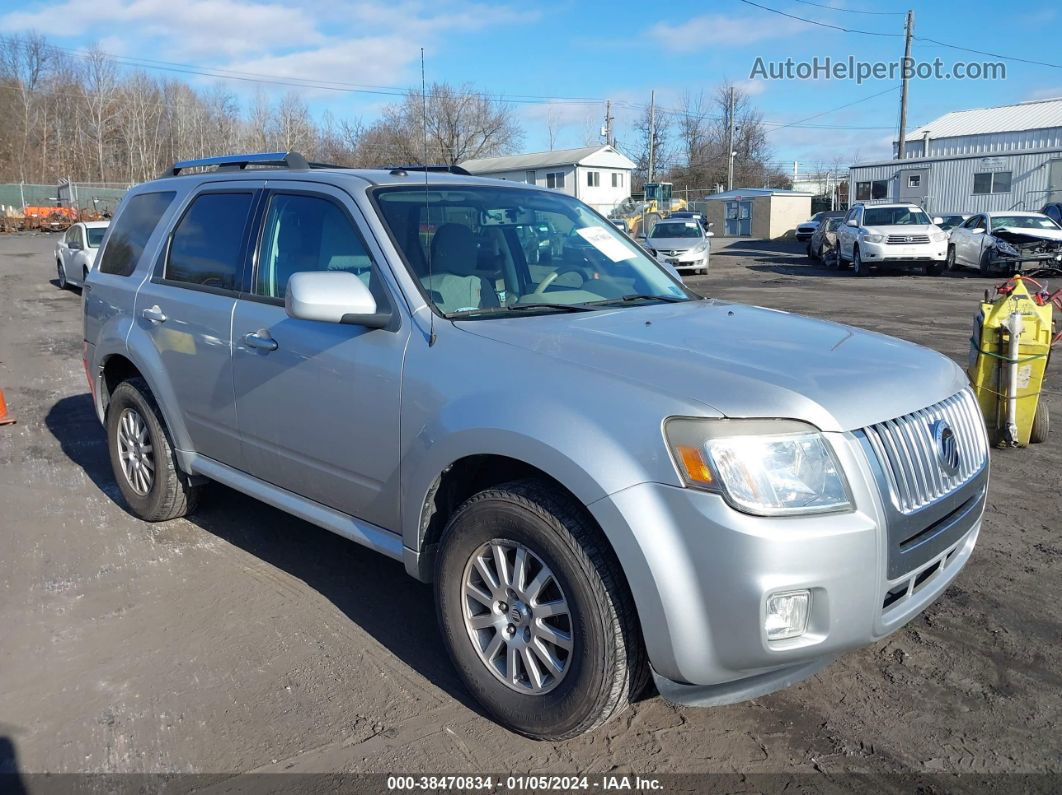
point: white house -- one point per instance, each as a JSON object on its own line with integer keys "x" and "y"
{"x": 1002, "y": 158}
{"x": 599, "y": 175}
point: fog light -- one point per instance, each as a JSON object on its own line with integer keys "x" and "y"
{"x": 787, "y": 614}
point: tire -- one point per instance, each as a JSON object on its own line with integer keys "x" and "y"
{"x": 63, "y": 283}
{"x": 811, "y": 254}
{"x": 949, "y": 262}
{"x": 858, "y": 266}
{"x": 166, "y": 493}
{"x": 984, "y": 265}
{"x": 84, "y": 276}
{"x": 1041, "y": 426}
{"x": 605, "y": 665}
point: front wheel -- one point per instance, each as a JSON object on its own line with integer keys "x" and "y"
{"x": 61, "y": 271}
{"x": 535, "y": 612}
{"x": 859, "y": 268}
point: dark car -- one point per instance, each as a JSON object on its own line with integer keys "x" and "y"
{"x": 805, "y": 230}
{"x": 1053, "y": 211}
{"x": 952, "y": 220}
{"x": 824, "y": 240}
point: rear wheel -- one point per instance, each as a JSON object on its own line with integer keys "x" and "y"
{"x": 142, "y": 456}
{"x": 535, "y": 614}
{"x": 1041, "y": 426}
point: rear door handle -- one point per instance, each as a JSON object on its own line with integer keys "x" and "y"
{"x": 260, "y": 340}
{"x": 154, "y": 314}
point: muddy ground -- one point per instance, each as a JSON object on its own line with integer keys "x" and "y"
{"x": 245, "y": 640}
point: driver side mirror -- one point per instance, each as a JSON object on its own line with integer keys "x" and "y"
{"x": 709, "y": 233}
{"x": 73, "y": 245}
{"x": 852, "y": 222}
{"x": 937, "y": 220}
{"x": 333, "y": 297}
{"x": 977, "y": 231}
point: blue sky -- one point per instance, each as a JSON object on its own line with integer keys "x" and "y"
{"x": 569, "y": 49}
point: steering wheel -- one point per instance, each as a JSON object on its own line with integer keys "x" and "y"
{"x": 545, "y": 283}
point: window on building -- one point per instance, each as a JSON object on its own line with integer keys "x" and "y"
{"x": 617, "y": 179}
{"x": 992, "y": 182}
{"x": 529, "y": 177}
{"x": 914, "y": 180}
{"x": 875, "y": 189}
{"x": 555, "y": 179}
{"x": 593, "y": 179}
{"x": 206, "y": 245}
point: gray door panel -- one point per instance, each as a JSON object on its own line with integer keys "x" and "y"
{"x": 319, "y": 415}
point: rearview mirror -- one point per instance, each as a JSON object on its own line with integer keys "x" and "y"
{"x": 333, "y": 297}
{"x": 937, "y": 220}
{"x": 852, "y": 222}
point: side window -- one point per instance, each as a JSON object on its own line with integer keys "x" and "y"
{"x": 70, "y": 236}
{"x": 136, "y": 220}
{"x": 978, "y": 223}
{"x": 308, "y": 233}
{"x": 207, "y": 243}
{"x": 1053, "y": 212}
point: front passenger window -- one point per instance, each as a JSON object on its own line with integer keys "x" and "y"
{"x": 308, "y": 233}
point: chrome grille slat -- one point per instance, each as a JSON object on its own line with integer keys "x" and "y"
{"x": 906, "y": 450}
{"x": 906, "y": 239}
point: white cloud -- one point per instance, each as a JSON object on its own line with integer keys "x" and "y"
{"x": 722, "y": 30}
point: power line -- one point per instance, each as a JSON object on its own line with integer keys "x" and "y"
{"x": 842, "y": 107}
{"x": 851, "y": 10}
{"x": 820, "y": 24}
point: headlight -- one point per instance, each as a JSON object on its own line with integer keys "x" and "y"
{"x": 700, "y": 248}
{"x": 938, "y": 237}
{"x": 1006, "y": 248}
{"x": 872, "y": 238}
{"x": 765, "y": 467}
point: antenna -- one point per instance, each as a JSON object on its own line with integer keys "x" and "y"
{"x": 424, "y": 162}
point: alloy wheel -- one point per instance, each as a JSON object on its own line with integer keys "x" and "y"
{"x": 517, "y": 617}
{"x": 135, "y": 451}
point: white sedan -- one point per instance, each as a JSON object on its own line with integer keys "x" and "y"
{"x": 75, "y": 253}
{"x": 1005, "y": 241}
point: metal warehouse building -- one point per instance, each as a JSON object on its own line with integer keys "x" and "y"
{"x": 1002, "y": 158}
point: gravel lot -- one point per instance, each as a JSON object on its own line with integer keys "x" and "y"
{"x": 245, "y": 640}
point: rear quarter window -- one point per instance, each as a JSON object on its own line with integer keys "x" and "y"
{"x": 131, "y": 232}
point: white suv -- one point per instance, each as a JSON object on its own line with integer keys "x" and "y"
{"x": 892, "y": 234}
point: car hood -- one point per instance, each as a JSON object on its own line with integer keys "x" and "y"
{"x": 1019, "y": 232}
{"x": 673, "y": 243}
{"x": 743, "y": 361}
{"x": 904, "y": 229}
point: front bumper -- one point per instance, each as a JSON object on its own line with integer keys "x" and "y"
{"x": 700, "y": 573}
{"x": 685, "y": 261}
{"x": 895, "y": 254}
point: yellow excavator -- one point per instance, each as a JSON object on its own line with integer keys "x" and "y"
{"x": 639, "y": 217}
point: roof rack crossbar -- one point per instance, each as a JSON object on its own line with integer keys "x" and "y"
{"x": 434, "y": 169}
{"x": 292, "y": 160}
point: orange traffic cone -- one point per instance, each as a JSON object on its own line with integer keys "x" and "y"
{"x": 5, "y": 418}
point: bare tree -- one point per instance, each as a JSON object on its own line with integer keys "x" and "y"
{"x": 651, "y": 129}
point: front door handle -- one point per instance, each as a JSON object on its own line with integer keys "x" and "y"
{"x": 260, "y": 340}
{"x": 154, "y": 314}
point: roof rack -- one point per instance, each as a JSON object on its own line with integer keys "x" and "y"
{"x": 398, "y": 170}
{"x": 292, "y": 160}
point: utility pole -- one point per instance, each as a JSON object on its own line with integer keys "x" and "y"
{"x": 730, "y": 140}
{"x": 608, "y": 123}
{"x": 901, "y": 146}
{"x": 652, "y": 132}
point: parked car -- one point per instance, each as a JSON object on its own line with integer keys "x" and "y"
{"x": 1005, "y": 241}
{"x": 951, "y": 220}
{"x": 685, "y": 215}
{"x": 684, "y": 244}
{"x": 824, "y": 240}
{"x": 604, "y": 476}
{"x": 805, "y": 230}
{"x": 75, "y": 252}
{"x": 1053, "y": 211}
{"x": 891, "y": 234}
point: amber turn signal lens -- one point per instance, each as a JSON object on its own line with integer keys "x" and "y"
{"x": 693, "y": 462}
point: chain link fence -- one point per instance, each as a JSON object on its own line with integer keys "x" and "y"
{"x": 26, "y": 205}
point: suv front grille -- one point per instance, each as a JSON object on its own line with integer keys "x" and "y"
{"x": 906, "y": 239}
{"x": 908, "y": 451}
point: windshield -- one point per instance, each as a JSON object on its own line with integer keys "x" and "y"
{"x": 1023, "y": 222}
{"x": 668, "y": 229}
{"x": 95, "y": 235}
{"x": 894, "y": 216}
{"x": 481, "y": 251}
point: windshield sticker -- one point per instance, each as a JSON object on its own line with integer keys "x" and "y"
{"x": 604, "y": 242}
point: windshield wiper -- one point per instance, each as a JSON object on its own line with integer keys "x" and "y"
{"x": 669, "y": 299}
{"x": 500, "y": 310}
{"x": 562, "y": 307}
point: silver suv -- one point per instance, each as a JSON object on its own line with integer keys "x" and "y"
{"x": 605, "y": 476}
